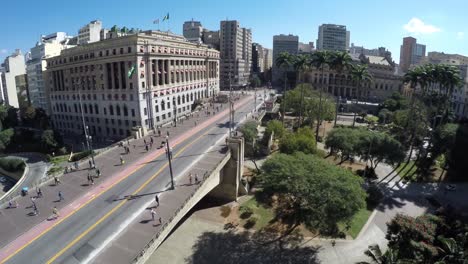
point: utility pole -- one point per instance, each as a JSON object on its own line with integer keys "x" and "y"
{"x": 169, "y": 158}
{"x": 85, "y": 127}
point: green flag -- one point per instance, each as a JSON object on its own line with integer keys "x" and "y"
{"x": 131, "y": 71}
{"x": 166, "y": 17}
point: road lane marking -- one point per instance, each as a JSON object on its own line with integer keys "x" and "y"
{"x": 93, "y": 226}
{"x": 106, "y": 188}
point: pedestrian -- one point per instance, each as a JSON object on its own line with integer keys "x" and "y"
{"x": 151, "y": 143}
{"x": 55, "y": 212}
{"x": 134, "y": 146}
{"x": 98, "y": 172}
{"x": 35, "y": 212}
{"x": 66, "y": 169}
{"x": 56, "y": 181}
{"x": 60, "y": 195}
{"x": 190, "y": 178}
{"x": 33, "y": 201}
{"x": 153, "y": 213}
{"x": 196, "y": 177}
{"x": 38, "y": 192}
{"x": 92, "y": 179}
{"x": 12, "y": 204}
{"x": 160, "y": 220}
{"x": 76, "y": 165}
{"x": 122, "y": 161}
{"x": 128, "y": 142}
{"x": 159, "y": 132}
{"x": 144, "y": 141}
{"x": 146, "y": 147}
{"x": 156, "y": 198}
{"x": 90, "y": 164}
{"x": 151, "y": 140}
{"x": 128, "y": 150}
{"x": 167, "y": 132}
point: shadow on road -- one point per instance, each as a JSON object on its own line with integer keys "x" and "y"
{"x": 245, "y": 247}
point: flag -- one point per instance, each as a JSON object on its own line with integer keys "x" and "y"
{"x": 131, "y": 71}
{"x": 156, "y": 21}
{"x": 166, "y": 17}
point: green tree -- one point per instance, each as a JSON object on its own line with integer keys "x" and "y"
{"x": 312, "y": 191}
{"x": 378, "y": 147}
{"x": 275, "y": 126}
{"x": 284, "y": 61}
{"x": 301, "y": 65}
{"x": 249, "y": 131}
{"x": 342, "y": 141}
{"x": 361, "y": 76}
{"x": 301, "y": 141}
{"x": 48, "y": 141}
{"x": 5, "y": 138}
{"x": 389, "y": 257}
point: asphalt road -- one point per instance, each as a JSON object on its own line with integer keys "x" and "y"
{"x": 68, "y": 242}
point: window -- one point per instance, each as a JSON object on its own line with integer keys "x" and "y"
{"x": 131, "y": 85}
{"x": 121, "y": 50}
{"x": 142, "y": 84}
{"x": 133, "y": 112}
{"x": 145, "y": 111}
{"x": 129, "y": 49}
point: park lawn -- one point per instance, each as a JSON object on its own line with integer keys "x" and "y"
{"x": 356, "y": 223}
{"x": 59, "y": 159}
{"x": 264, "y": 214}
{"x": 406, "y": 173}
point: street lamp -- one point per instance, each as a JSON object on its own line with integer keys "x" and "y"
{"x": 169, "y": 158}
{"x": 85, "y": 127}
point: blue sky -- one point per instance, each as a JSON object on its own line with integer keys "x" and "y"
{"x": 441, "y": 25}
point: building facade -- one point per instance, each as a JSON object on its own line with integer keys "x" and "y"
{"x": 258, "y": 58}
{"x": 380, "y": 51}
{"x": 36, "y": 65}
{"x": 333, "y": 37}
{"x": 444, "y": 58}
{"x": 268, "y": 58}
{"x": 13, "y": 66}
{"x": 411, "y": 53}
{"x": 211, "y": 38}
{"x": 90, "y": 32}
{"x": 306, "y": 47}
{"x": 236, "y": 55}
{"x": 141, "y": 80}
{"x": 282, "y": 43}
{"x": 193, "y": 31}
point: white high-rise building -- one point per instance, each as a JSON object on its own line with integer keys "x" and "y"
{"x": 90, "y": 33}
{"x": 13, "y": 66}
{"x": 48, "y": 46}
{"x": 193, "y": 31}
{"x": 333, "y": 37}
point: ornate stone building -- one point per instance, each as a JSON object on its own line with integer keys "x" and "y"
{"x": 146, "y": 79}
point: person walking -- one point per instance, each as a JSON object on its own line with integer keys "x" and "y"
{"x": 160, "y": 222}
{"x": 60, "y": 195}
{"x": 156, "y": 199}
{"x": 190, "y": 178}
{"x": 55, "y": 212}
{"x": 38, "y": 192}
{"x": 90, "y": 164}
{"x": 12, "y": 204}
{"x": 98, "y": 172}
{"x": 144, "y": 141}
{"x": 146, "y": 147}
{"x": 35, "y": 211}
{"x": 56, "y": 180}
{"x": 153, "y": 214}
{"x": 76, "y": 165}
{"x": 196, "y": 177}
{"x": 33, "y": 201}
{"x": 122, "y": 161}
{"x": 151, "y": 140}
{"x": 159, "y": 132}
{"x": 91, "y": 178}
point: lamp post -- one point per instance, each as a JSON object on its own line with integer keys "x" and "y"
{"x": 169, "y": 158}
{"x": 85, "y": 127}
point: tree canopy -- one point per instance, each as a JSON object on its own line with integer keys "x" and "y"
{"x": 311, "y": 190}
{"x": 301, "y": 141}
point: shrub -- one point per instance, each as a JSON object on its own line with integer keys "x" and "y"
{"x": 245, "y": 211}
{"x": 225, "y": 211}
{"x": 80, "y": 155}
{"x": 12, "y": 165}
{"x": 251, "y": 222}
{"x": 55, "y": 170}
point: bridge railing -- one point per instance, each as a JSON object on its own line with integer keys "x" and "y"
{"x": 156, "y": 236}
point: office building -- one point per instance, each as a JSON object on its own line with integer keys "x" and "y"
{"x": 90, "y": 33}
{"x": 13, "y": 66}
{"x": 333, "y": 37}
{"x": 380, "y": 51}
{"x": 48, "y": 46}
{"x": 258, "y": 58}
{"x": 268, "y": 60}
{"x": 306, "y": 47}
{"x": 236, "y": 55}
{"x": 193, "y": 31}
{"x": 435, "y": 57}
{"x": 211, "y": 38}
{"x": 127, "y": 84}
{"x": 283, "y": 43}
{"x": 411, "y": 53}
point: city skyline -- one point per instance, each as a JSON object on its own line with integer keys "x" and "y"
{"x": 440, "y": 29}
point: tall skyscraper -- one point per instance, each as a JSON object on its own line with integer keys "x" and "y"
{"x": 411, "y": 53}
{"x": 193, "y": 31}
{"x": 333, "y": 37}
{"x": 258, "y": 58}
{"x": 211, "y": 38}
{"x": 282, "y": 43}
{"x": 47, "y": 47}
{"x": 268, "y": 58}
{"x": 90, "y": 32}
{"x": 13, "y": 66}
{"x": 236, "y": 54}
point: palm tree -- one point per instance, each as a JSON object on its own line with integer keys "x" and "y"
{"x": 340, "y": 61}
{"x": 375, "y": 253}
{"x": 301, "y": 65}
{"x": 320, "y": 60}
{"x": 284, "y": 60}
{"x": 360, "y": 75}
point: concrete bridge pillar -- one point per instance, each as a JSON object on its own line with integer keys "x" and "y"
{"x": 230, "y": 186}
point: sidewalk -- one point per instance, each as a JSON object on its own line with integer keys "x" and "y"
{"x": 17, "y": 221}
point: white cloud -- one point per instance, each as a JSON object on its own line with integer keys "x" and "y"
{"x": 417, "y": 26}
{"x": 460, "y": 35}
{"x": 3, "y": 51}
